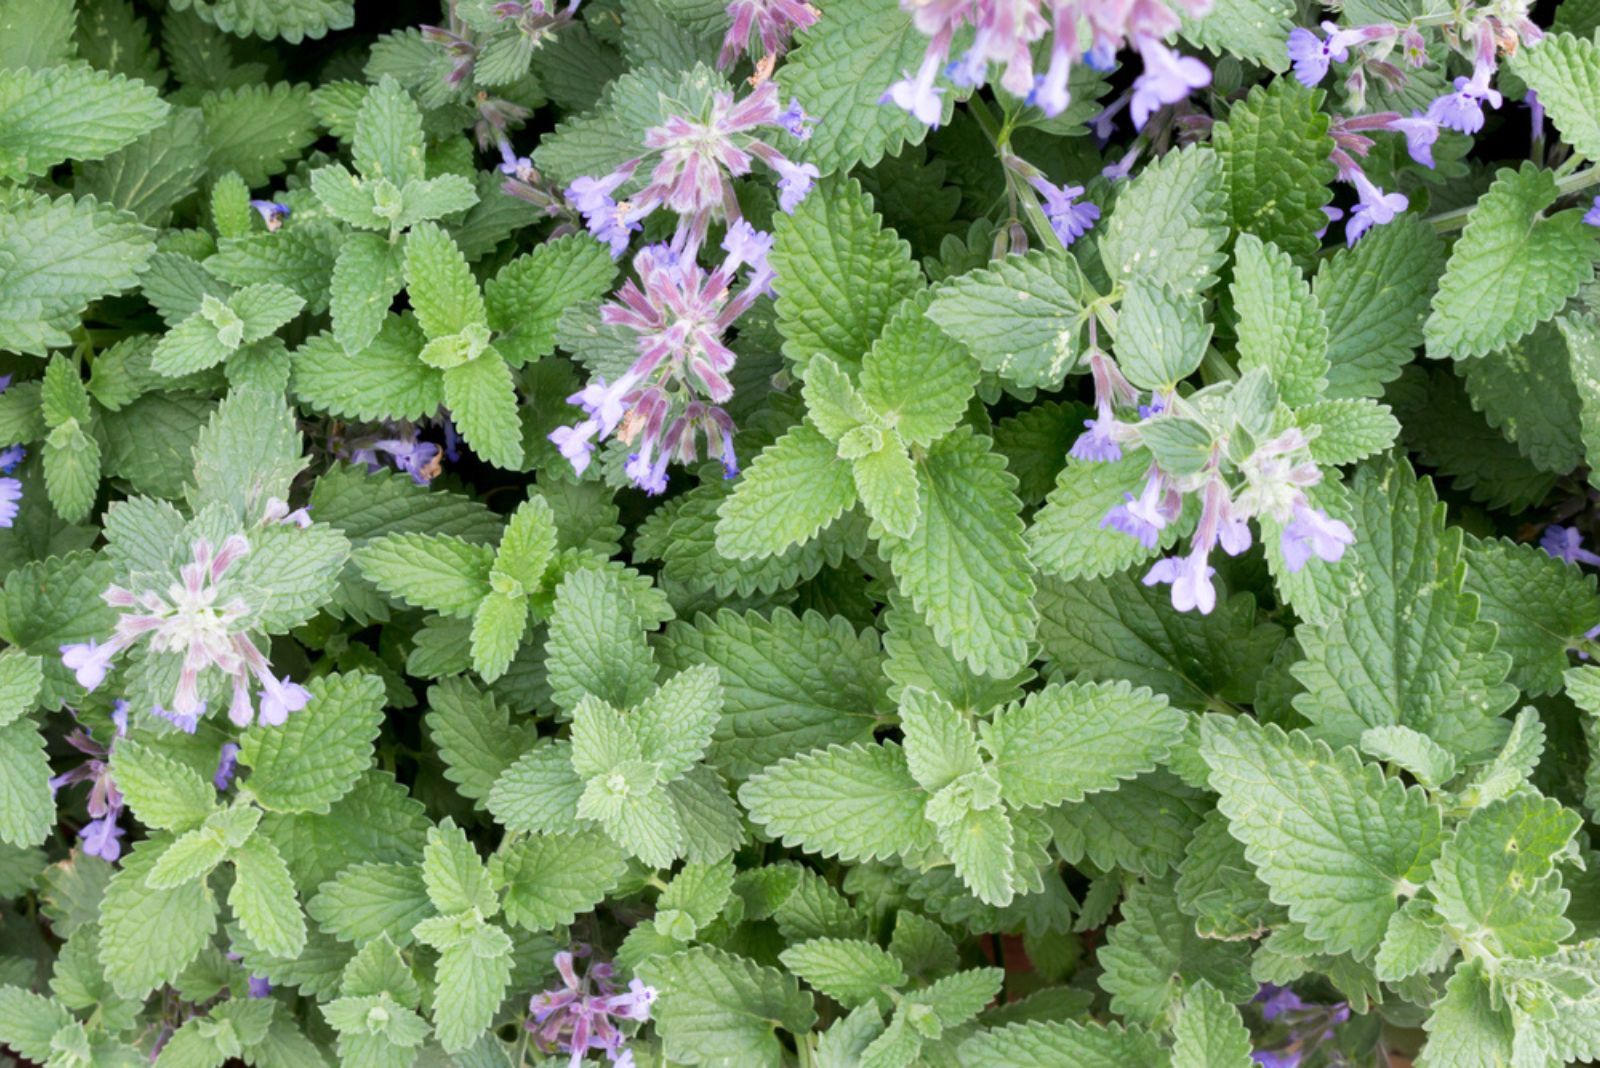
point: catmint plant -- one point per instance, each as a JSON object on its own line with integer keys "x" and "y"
{"x": 799, "y": 534}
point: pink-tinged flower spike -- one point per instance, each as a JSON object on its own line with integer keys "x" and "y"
{"x": 272, "y": 213}
{"x": 1463, "y": 109}
{"x": 672, "y": 391}
{"x": 581, "y": 1015}
{"x": 100, "y": 835}
{"x": 1375, "y": 209}
{"x": 773, "y": 21}
{"x": 1566, "y": 545}
{"x": 1592, "y": 216}
{"x": 1111, "y": 391}
{"x": 1069, "y": 218}
{"x": 1167, "y": 78}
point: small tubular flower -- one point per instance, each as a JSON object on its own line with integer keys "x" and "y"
{"x": 581, "y": 1015}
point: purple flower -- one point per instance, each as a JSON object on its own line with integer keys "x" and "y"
{"x": 100, "y": 835}
{"x": 89, "y": 661}
{"x": 1069, "y": 219}
{"x": 1276, "y": 1000}
{"x": 1277, "y": 1058}
{"x": 774, "y": 21}
{"x": 1334, "y": 215}
{"x": 227, "y": 764}
{"x": 1566, "y": 545}
{"x": 591, "y": 197}
{"x": 1375, "y": 209}
{"x": 582, "y": 1014}
{"x": 259, "y": 986}
{"x": 1421, "y": 132}
{"x": 1311, "y": 55}
{"x": 576, "y": 443}
{"x": 1167, "y": 78}
{"x": 1096, "y": 444}
{"x": 1191, "y": 581}
{"x": 649, "y": 475}
{"x": 187, "y": 724}
{"x": 1463, "y": 109}
{"x": 918, "y": 95}
{"x": 1313, "y": 531}
{"x": 419, "y": 459}
{"x": 794, "y": 182}
{"x": 1111, "y": 390}
{"x": 796, "y": 121}
{"x": 1146, "y": 516}
{"x": 1592, "y": 216}
{"x": 272, "y": 213}
{"x": 277, "y": 511}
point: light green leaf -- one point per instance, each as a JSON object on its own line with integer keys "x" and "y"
{"x": 1274, "y": 148}
{"x": 1069, "y": 740}
{"x": 1526, "y": 391}
{"x": 966, "y": 568}
{"x": 482, "y": 398}
{"x": 498, "y": 624}
{"x": 1410, "y": 650}
{"x": 71, "y": 471}
{"x": 1346, "y": 430}
{"x": 1169, "y": 225}
{"x": 1161, "y": 336}
{"x": 1251, "y": 30}
{"x": 365, "y": 902}
{"x": 1049, "y": 1043}
{"x": 850, "y": 971}
{"x": 388, "y": 136}
{"x": 27, "y": 808}
{"x": 529, "y": 295}
{"x": 1565, "y": 71}
{"x": 596, "y": 643}
{"x": 257, "y": 129}
{"x": 315, "y": 758}
{"x": 842, "y": 272}
{"x": 474, "y": 735}
{"x": 715, "y": 1006}
{"x": 855, "y": 802}
{"x": 1334, "y": 840}
{"x": 793, "y": 489}
{"x": 438, "y": 572}
{"x": 366, "y": 277}
{"x": 1153, "y": 958}
{"x": 148, "y": 936}
{"x": 979, "y": 844}
{"x": 1209, "y": 1032}
{"x": 1512, "y": 268}
{"x": 248, "y": 453}
{"x": 840, "y": 69}
{"x": 162, "y": 792}
{"x": 472, "y": 980}
{"x": 453, "y": 873}
{"x": 263, "y": 899}
{"x": 21, "y": 679}
{"x": 674, "y": 724}
{"x": 1020, "y": 316}
{"x": 1428, "y": 761}
{"x": 59, "y": 113}
{"x": 550, "y": 880}
{"x": 442, "y": 290}
{"x": 539, "y": 793}
{"x": 1281, "y": 327}
{"x": 916, "y": 376}
{"x": 886, "y": 481}
{"x": 1543, "y": 608}
{"x": 940, "y": 745}
{"x": 1467, "y": 1029}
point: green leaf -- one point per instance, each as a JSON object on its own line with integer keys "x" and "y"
{"x": 27, "y": 807}
{"x": 248, "y": 453}
{"x": 529, "y": 295}
{"x": 596, "y": 643}
{"x": 1218, "y": 887}
{"x": 1512, "y": 268}
{"x": 714, "y": 1006}
{"x": 1281, "y": 328}
{"x": 1493, "y": 881}
{"x": 1209, "y": 1032}
{"x": 698, "y": 894}
{"x": 21, "y": 679}
{"x": 366, "y": 277}
{"x": 1153, "y": 959}
{"x": 1251, "y": 30}
{"x": 1411, "y": 649}
{"x": 539, "y": 793}
{"x": 472, "y": 980}
{"x": 849, "y": 971}
{"x": 979, "y": 843}
{"x": 1020, "y": 316}
{"x": 793, "y": 489}
{"x": 61, "y": 255}
{"x": 840, "y": 69}
{"x": 442, "y": 290}
{"x": 1374, "y": 297}
{"x": 1169, "y": 225}
{"x": 474, "y": 735}
{"x": 789, "y": 683}
{"x": 292, "y": 20}
{"x": 438, "y": 572}
{"x": 1347, "y": 430}
{"x": 966, "y": 568}
{"x": 602, "y": 740}
{"x": 940, "y": 745}
{"x": 151, "y": 176}
{"x": 834, "y": 404}
{"x": 1274, "y": 150}
{"x": 29, "y": 1021}
{"x": 843, "y": 273}
{"x": 1069, "y": 740}
{"x": 1469, "y": 1025}
{"x": 194, "y": 854}
{"x": 70, "y": 112}
{"x": 263, "y": 899}
{"x": 855, "y": 802}
{"x": 372, "y": 901}
{"x": 162, "y": 792}
{"x": 916, "y": 376}
{"x": 388, "y": 135}
{"x": 1565, "y": 71}
{"x": 1048, "y": 1043}
{"x": 482, "y": 398}
{"x": 498, "y": 625}
{"x": 1542, "y": 606}
{"x": 148, "y": 936}
{"x": 315, "y": 758}
{"x": 71, "y": 471}
{"x": 257, "y": 129}
{"x": 1525, "y": 391}
{"x": 550, "y": 880}
{"x": 1334, "y": 840}
{"x": 886, "y": 482}
{"x": 1161, "y": 336}
{"x": 1428, "y": 762}
{"x": 1066, "y": 538}
{"x": 454, "y": 874}
{"x": 674, "y": 724}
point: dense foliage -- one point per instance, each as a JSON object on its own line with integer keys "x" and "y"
{"x": 968, "y": 533}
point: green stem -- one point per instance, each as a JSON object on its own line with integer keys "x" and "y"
{"x": 1572, "y": 183}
